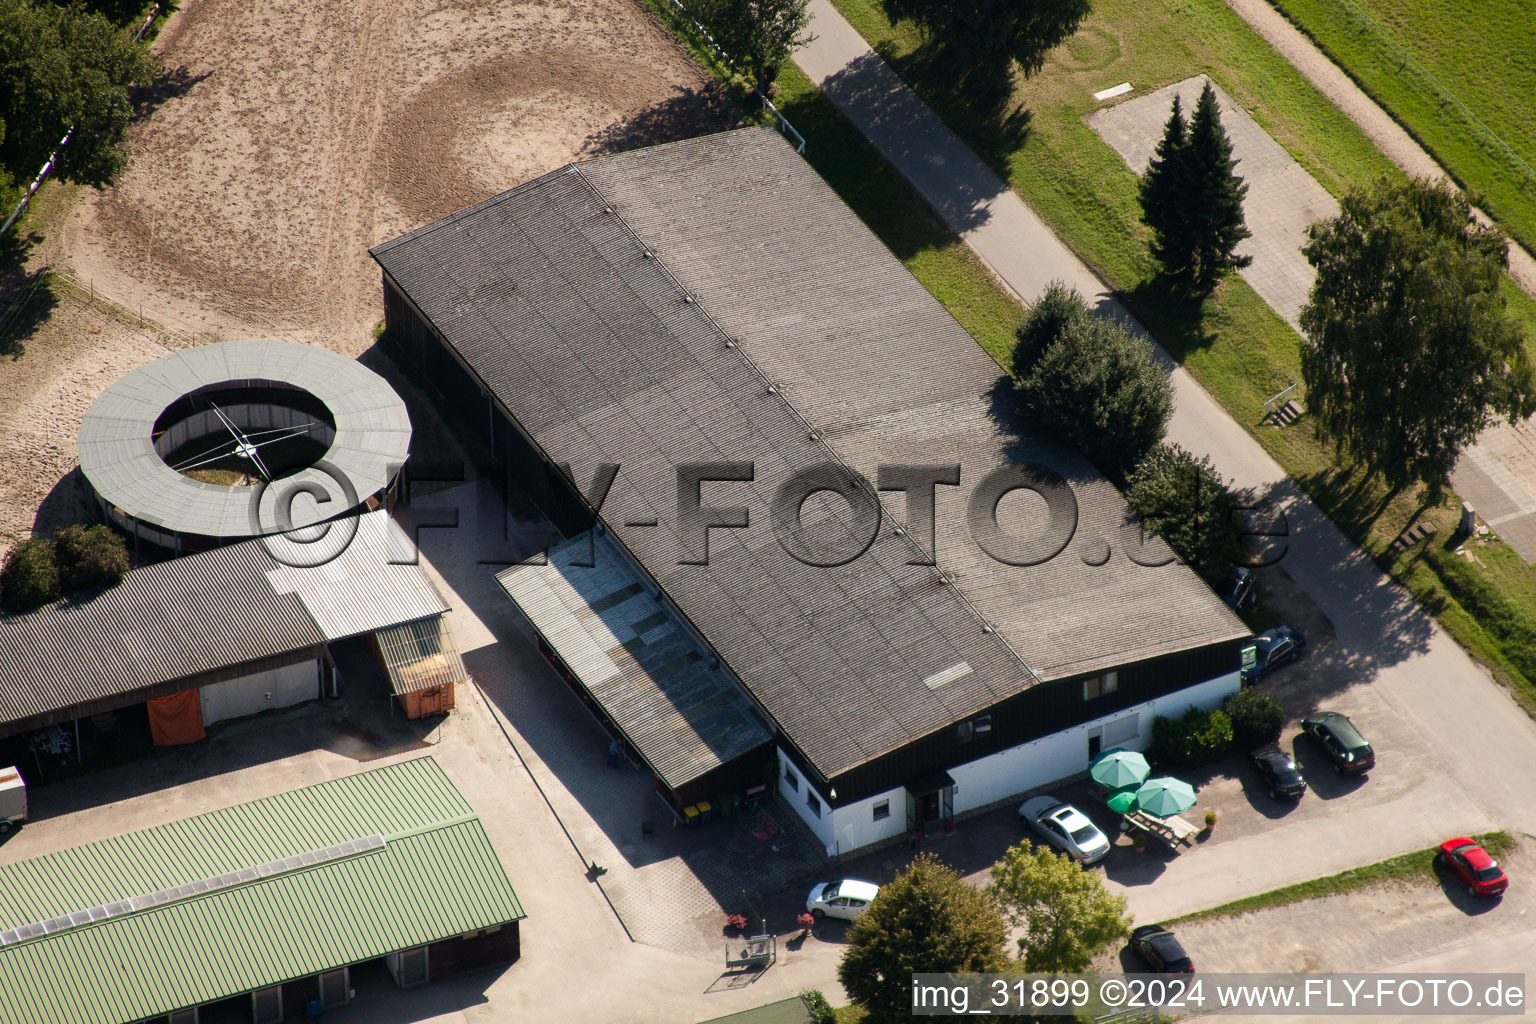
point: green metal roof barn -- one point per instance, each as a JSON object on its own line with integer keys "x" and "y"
{"x": 249, "y": 898}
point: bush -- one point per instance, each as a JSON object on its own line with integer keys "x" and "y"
{"x": 821, "y": 1010}
{"x": 1183, "y": 500}
{"x": 90, "y": 557}
{"x": 1197, "y": 738}
{"x": 1099, "y": 388}
{"x": 30, "y": 577}
{"x": 1046, "y": 321}
{"x": 1257, "y": 717}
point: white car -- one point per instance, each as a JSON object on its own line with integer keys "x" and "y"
{"x": 1067, "y": 828}
{"x": 846, "y": 899}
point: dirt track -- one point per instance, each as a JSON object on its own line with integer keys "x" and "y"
{"x": 301, "y": 133}
{"x": 291, "y": 136}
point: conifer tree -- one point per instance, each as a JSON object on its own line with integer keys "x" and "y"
{"x": 1163, "y": 198}
{"x": 1215, "y": 197}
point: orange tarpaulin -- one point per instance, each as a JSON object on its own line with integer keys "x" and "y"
{"x": 176, "y": 719}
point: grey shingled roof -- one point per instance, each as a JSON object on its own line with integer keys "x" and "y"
{"x": 373, "y": 437}
{"x": 204, "y": 612}
{"x": 685, "y": 716}
{"x": 548, "y": 293}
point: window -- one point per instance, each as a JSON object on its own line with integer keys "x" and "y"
{"x": 882, "y": 810}
{"x": 812, "y": 802}
{"x": 1099, "y": 686}
{"x": 965, "y": 730}
{"x": 983, "y": 724}
{"x": 790, "y": 778}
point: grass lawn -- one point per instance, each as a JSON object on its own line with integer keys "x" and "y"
{"x": 1415, "y": 868}
{"x": 1236, "y": 346}
{"x": 1482, "y": 57}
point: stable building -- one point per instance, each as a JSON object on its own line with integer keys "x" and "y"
{"x": 707, "y": 371}
{"x": 271, "y": 909}
{"x": 233, "y": 631}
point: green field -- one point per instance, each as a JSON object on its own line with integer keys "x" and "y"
{"x": 1485, "y": 59}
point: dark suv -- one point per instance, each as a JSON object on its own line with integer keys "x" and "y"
{"x": 1279, "y": 771}
{"x": 1341, "y": 741}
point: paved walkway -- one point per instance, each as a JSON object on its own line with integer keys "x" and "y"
{"x": 1283, "y": 199}
{"x": 1493, "y": 475}
{"x": 1482, "y": 743}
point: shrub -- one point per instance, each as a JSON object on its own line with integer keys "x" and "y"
{"x": 1100, "y": 389}
{"x": 1046, "y": 320}
{"x": 1183, "y": 500}
{"x": 90, "y": 557}
{"x": 30, "y": 576}
{"x": 1196, "y": 738}
{"x": 821, "y": 1010}
{"x": 1257, "y": 717}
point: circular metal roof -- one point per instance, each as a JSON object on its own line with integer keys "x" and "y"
{"x": 118, "y": 457}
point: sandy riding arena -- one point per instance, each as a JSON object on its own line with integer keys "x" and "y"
{"x": 288, "y": 137}
{"x": 294, "y": 134}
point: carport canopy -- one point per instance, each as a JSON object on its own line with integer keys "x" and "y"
{"x": 420, "y": 655}
{"x": 670, "y": 698}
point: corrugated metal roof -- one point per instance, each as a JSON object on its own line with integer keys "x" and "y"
{"x": 204, "y": 612}
{"x": 435, "y": 876}
{"x": 616, "y": 309}
{"x": 371, "y": 442}
{"x": 420, "y": 655}
{"x": 685, "y": 716}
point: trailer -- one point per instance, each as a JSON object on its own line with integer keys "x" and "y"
{"x": 13, "y": 799}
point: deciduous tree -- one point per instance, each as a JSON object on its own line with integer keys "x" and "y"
{"x": 1408, "y": 350}
{"x": 1184, "y": 501}
{"x": 981, "y": 39}
{"x": 759, "y": 34}
{"x": 30, "y": 577}
{"x": 928, "y": 919}
{"x": 1066, "y": 914}
{"x": 90, "y": 557}
{"x": 66, "y": 70}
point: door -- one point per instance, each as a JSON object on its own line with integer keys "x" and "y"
{"x": 413, "y": 967}
{"x": 267, "y": 1005}
{"x": 335, "y": 988}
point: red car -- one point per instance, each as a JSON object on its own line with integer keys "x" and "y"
{"x": 1472, "y": 864}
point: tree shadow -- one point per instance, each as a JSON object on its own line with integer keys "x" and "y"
{"x": 67, "y": 503}
{"x": 1175, "y": 313}
{"x": 26, "y": 304}
{"x": 168, "y": 85}
{"x": 686, "y": 114}
{"x": 978, "y": 102}
{"x": 1353, "y": 499}
{"x": 874, "y": 98}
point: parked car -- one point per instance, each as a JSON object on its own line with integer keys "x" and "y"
{"x": 846, "y": 899}
{"x": 1345, "y": 746}
{"x": 1279, "y": 771}
{"x": 1474, "y": 866}
{"x": 1236, "y": 589}
{"x": 1276, "y": 647}
{"x": 1159, "y": 948}
{"x": 1066, "y": 828}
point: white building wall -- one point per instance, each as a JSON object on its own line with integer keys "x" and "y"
{"x": 1038, "y": 762}
{"x": 820, "y": 824}
{"x": 272, "y": 688}
{"x": 854, "y": 825}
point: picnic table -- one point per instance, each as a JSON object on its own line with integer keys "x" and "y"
{"x": 1174, "y": 831}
